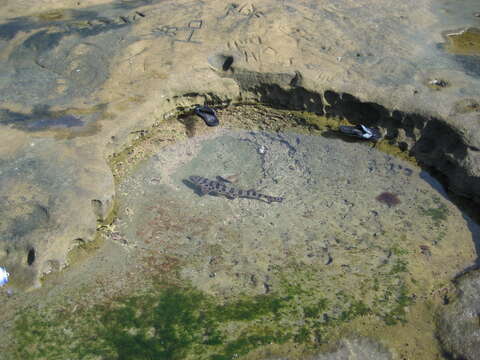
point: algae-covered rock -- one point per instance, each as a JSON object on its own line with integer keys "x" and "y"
{"x": 357, "y": 349}
{"x": 350, "y": 349}
{"x": 79, "y": 80}
{"x": 458, "y": 324}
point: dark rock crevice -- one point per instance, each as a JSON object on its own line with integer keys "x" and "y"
{"x": 433, "y": 142}
{"x": 31, "y": 256}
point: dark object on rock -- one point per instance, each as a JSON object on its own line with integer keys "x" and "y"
{"x": 221, "y": 62}
{"x": 361, "y": 131}
{"x": 388, "y": 198}
{"x": 31, "y": 257}
{"x": 425, "y": 250}
{"x": 227, "y": 63}
{"x": 207, "y": 114}
{"x": 207, "y": 186}
{"x": 438, "y": 82}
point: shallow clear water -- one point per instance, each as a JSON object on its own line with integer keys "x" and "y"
{"x": 363, "y": 244}
{"x": 333, "y": 237}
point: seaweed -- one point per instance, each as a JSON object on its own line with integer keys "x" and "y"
{"x": 172, "y": 322}
{"x": 388, "y": 198}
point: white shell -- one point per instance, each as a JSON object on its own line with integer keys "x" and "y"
{"x": 3, "y": 276}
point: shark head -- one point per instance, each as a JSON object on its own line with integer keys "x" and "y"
{"x": 195, "y": 179}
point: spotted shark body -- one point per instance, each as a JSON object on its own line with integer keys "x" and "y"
{"x": 208, "y": 186}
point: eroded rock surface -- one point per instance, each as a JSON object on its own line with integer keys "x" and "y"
{"x": 80, "y": 80}
{"x": 459, "y": 327}
{"x": 46, "y": 193}
{"x": 101, "y": 70}
{"x": 358, "y": 349}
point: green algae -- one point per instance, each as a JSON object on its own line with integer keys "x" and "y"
{"x": 251, "y": 308}
{"x": 438, "y": 214}
{"x": 319, "y": 122}
{"x": 355, "y": 309}
{"x": 164, "y": 328}
{"x": 398, "y": 313}
{"x": 184, "y": 323}
{"x": 316, "y": 310}
{"x": 173, "y": 323}
{"x": 397, "y": 250}
{"x": 399, "y": 266}
{"x": 464, "y": 42}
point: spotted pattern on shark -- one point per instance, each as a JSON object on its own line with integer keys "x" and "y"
{"x": 208, "y": 186}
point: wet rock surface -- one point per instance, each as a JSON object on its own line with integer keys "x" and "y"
{"x": 332, "y": 221}
{"x": 358, "y": 349}
{"x": 86, "y": 81}
{"x": 41, "y": 190}
{"x": 376, "y": 246}
{"x": 80, "y": 70}
{"x": 458, "y": 324}
{"x": 341, "y": 256}
{"x": 367, "y": 254}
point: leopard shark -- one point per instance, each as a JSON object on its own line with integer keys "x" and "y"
{"x": 208, "y": 186}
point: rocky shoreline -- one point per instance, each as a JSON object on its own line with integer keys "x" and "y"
{"x": 84, "y": 84}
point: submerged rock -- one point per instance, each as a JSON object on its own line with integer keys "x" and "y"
{"x": 358, "y": 349}
{"x": 459, "y": 325}
{"x": 352, "y": 349}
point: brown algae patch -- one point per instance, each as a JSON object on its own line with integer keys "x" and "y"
{"x": 320, "y": 122}
{"x": 463, "y": 42}
{"x": 413, "y": 339}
